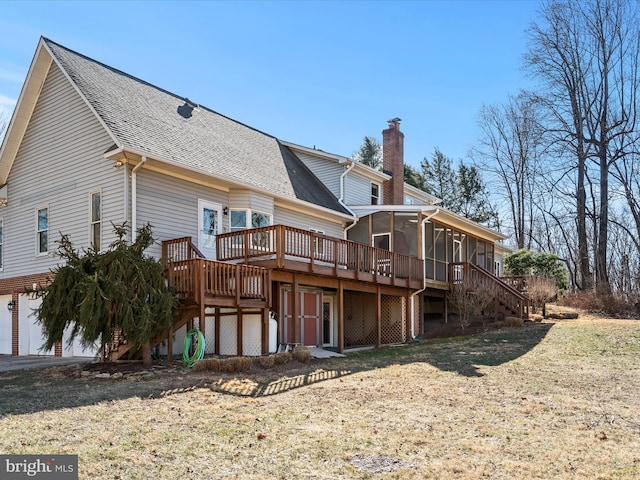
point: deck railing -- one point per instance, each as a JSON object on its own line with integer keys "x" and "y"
{"x": 191, "y": 276}
{"x": 462, "y": 272}
{"x": 283, "y": 244}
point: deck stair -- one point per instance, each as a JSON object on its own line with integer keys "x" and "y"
{"x": 200, "y": 283}
{"x": 507, "y": 300}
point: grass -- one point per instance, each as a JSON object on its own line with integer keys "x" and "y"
{"x": 550, "y": 400}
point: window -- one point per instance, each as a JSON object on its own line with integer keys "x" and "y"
{"x": 1, "y": 245}
{"x": 260, "y": 219}
{"x": 42, "y": 230}
{"x": 238, "y": 220}
{"x": 96, "y": 221}
{"x": 375, "y": 193}
{"x": 382, "y": 240}
{"x": 318, "y": 242}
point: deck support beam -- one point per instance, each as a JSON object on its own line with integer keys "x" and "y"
{"x": 239, "y": 332}
{"x": 378, "y": 318}
{"x": 340, "y": 317}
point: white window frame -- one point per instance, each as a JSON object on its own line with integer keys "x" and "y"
{"x": 93, "y": 222}
{"x": 38, "y": 231}
{"x": 319, "y": 242}
{"x": 257, "y": 240}
{"x": 378, "y": 235}
{"x": 233, "y": 228}
{"x": 377, "y": 196}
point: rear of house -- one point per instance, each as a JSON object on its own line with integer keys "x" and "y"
{"x": 265, "y": 242}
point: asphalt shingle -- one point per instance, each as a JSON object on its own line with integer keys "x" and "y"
{"x": 146, "y": 118}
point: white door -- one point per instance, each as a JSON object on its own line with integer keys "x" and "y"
{"x": 327, "y": 321}
{"x": 209, "y": 225}
{"x": 457, "y": 258}
{"x": 6, "y": 327}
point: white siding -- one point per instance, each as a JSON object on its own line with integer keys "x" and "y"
{"x": 60, "y": 161}
{"x": 358, "y": 190}
{"x": 253, "y": 200}
{"x": 328, "y": 171}
{"x": 170, "y": 205}
{"x": 297, "y": 219}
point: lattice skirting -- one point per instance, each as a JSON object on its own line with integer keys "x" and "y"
{"x": 360, "y": 319}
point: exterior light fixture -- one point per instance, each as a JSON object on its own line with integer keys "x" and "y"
{"x": 10, "y": 305}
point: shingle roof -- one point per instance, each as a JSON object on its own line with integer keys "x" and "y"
{"x": 148, "y": 119}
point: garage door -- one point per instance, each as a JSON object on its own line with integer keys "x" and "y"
{"x": 6, "y": 329}
{"x": 30, "y": 337}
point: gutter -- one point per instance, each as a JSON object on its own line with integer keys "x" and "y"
{"x": 134, "y": 197}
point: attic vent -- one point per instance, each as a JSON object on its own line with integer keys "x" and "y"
{"x": 186, "y": 110}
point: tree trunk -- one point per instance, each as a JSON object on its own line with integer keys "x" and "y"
{"x": 146, "y": 354}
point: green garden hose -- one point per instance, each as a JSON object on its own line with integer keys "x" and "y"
{"x": 190, "y": 361}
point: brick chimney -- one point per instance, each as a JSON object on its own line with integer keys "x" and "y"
{"x": 393, "y": 163}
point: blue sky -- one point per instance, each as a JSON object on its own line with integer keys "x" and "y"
{"x": 321, "y": 74}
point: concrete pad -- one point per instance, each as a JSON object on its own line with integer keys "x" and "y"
{"x": 26, "y": 362}
{"x": 321, "y": 353}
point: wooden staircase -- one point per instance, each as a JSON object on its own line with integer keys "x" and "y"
{"x": 507, "y": 300}
{"x": 199, "y": 284}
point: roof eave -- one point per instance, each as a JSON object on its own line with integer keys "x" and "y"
{"x": 29, "y": 94}
{"x": 122, "y": 151}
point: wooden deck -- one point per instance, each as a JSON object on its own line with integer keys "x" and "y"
{"x": 286, "y": 248}
{"x": 199, "y": 281}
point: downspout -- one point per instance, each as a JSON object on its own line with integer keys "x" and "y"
{"x": 134, "y": 197}
{"x": 341, "y": 199}
{"x": 125, "y": 207}
{"x": 424, "y": 220}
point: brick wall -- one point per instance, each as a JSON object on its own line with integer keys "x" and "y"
{"x": 393, "y": 163}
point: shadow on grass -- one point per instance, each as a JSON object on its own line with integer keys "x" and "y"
{"x": 23, "y": 392}
{"x": 461, "y": 355}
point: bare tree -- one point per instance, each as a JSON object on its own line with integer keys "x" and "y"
{"x": 586, "y": 56}
{"x": 4, "y": 124}
{"x": 541, "y": 290}
{"x": 471, "y": 297}
{"x": 509, "y": 150}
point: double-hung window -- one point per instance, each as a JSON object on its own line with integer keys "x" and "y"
{"x": 42, "y": 231}
{"x": 96, "y": 221}
{"x": 375, "y": 193}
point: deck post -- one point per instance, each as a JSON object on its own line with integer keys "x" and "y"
{"x": 216, "y": 346}
{"x": 239, "y": 332}
{"x": 265, "y": 331}
{"x": 340, "y": 317}
{"x": 280, "y": 242}
{"x": 295, "y": 310}
{"x": 378, "y": 317}
{"x": 407, "y": 316}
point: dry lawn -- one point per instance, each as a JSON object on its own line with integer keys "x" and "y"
{"x": 548, "y": 401}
